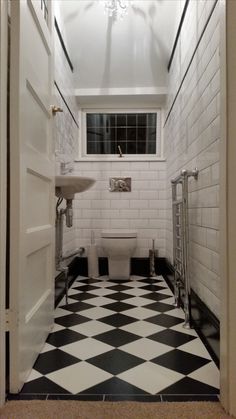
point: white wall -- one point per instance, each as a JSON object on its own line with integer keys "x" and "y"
{"x": 192, "y": 135}
{"x": 143, "y": 209}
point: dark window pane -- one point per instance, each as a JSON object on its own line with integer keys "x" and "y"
{"x": 151, "y": 148}
{"x": 121, "y": 120}
{"x": 91, "y": 148}
{"x": 131, "y": 148}
{"x": 151, "y": 119}
{"x": 131, "y": 120}
{"x": 91, "y": 120}
{"x": 142, "y": 118}
{"x": 141, "y": 134}
{"x": 131, "y": 134}
{"x": 121, "y": 134}
{"x": 141, "y": 147}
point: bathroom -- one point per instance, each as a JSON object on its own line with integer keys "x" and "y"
{"x": 183, "y": 92}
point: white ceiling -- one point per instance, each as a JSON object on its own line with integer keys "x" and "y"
{"x": 128, "y": 54}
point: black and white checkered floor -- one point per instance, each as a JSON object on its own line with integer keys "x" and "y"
{"x": 122, "y": 338}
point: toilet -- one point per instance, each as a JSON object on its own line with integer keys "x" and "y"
{"x": 119, "y": 246}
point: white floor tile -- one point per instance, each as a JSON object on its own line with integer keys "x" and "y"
{"x": 100, "y": 301}
{"x": 57, "y": 327}
{"x": 135, "y": 284}
{"x": 70, "y": 301}
{"x": 168, "y": 300}
{"x": 96, "y": 313}
{"x": 73, "y": 291}
{"x": 136, "y": 292}
{"x": 208, "y": 374}
{"x": 166, "y": 291}
{"x": 78, "y": 377}
{"x": 195, "y": 347}
{"x": 102, "y": 292}
{"x": 150, "y": 377}
{"x": 176, "y": 312}
{"x": 140, "y": 313}
{"x": 47, "y": 347}
{"x": 59, "y": 312}
{"x": 142, "y": 328}
{"x": 91, "y": 328}
{"x": 146, "y": 349}
{"x": 137, "y": 301}
{"x": 179, "y": 328}
{"x": 86, "y": 348}
{"x": 33, "y": 375}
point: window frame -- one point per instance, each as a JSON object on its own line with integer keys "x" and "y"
{"x": 115, "y": 157}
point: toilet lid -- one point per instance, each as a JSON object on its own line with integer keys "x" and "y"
{"x": 119, "y": 233}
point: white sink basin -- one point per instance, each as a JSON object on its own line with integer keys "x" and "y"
{"x": 67, "y": 186}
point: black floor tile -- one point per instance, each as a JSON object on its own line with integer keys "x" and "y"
{"x": 189, "y": 386}
{"x": 172, "y": 337}
{"x": 180, "y": 361}
{"x": 115, "y": 361}
{"x": 119, "y": 287}
{"x": 118, "y": 319}
{"x": 148, "y": 398}
{"x": 64, "y": 337}
{"x": 22, "y": 396}
{"x": 71, "y": 320}
{"x": 164, "y": 320}
{"x": 153, "y": 288}
{"x": 114, "y": 386}
{"x": 82, "y": 296}
{"x": 119, "y": 296}
{"x": 156, "y": 296}
{"x": 118, "y": 306}
{"x": 86, "y": 288}
{"x": 76, "y": 307}
{"x": 190, "y": 398}
{"x": 161, "y": 307}
{"x": 43, "y": 385}
{"x": 77, "y": 397}
{"x": 87, "y": 281}
{"x": 151, "y": 280}
{"x": 117, "y": 337}
{"x": 54, "y": 360}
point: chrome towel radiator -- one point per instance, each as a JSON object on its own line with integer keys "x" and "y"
{"x": 181, "y": 241}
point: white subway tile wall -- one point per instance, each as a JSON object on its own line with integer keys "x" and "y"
{"x": 192, "y": 135}
{"x": 143, "y": 209}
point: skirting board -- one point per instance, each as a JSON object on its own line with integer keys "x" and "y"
{"x": 204, "y": 321}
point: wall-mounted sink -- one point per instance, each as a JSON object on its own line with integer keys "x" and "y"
{"x": 67, "y": 186}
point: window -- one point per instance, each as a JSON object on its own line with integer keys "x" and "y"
{"x": 132, "y": 133}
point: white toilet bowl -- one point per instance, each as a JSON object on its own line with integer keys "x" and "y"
{"x": 119, "y": 246}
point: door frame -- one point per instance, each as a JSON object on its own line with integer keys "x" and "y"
{"x": 3, "y": 186}
{"x": 228, "y": 206}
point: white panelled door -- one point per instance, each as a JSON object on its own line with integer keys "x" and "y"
{"x": 31, "y": 185}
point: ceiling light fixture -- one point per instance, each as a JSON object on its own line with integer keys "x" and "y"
{"x": 116, "y": 8}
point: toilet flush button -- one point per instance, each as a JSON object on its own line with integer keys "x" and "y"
{"x": 120, "y": 184}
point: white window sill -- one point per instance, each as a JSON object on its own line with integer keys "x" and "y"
{"x": 119, "y": 159}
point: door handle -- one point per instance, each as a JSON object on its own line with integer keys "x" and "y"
{"x": 56, "y": 109}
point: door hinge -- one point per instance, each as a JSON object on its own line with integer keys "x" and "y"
{"x": 7, "y": 320}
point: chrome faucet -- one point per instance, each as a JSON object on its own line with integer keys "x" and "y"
{"x": 65, "y": 168}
